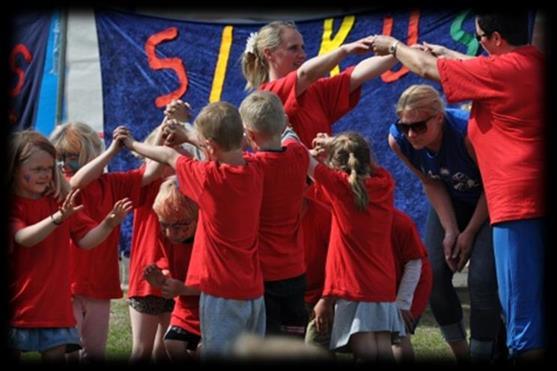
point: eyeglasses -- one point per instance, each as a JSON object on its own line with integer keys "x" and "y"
{"x": 479, "y": 36}
{"x": 417, "y": 127}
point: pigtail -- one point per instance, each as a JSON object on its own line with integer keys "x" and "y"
{"x": 361, "y": 197}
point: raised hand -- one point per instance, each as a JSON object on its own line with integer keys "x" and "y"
{"x": 70, "y": 206}
{"x": 381, "y": 44}
{"x": 123, "y": 135}
{"x": 120, "y": 209}
{"x": 174, "y": 133}
{"x": 361, "y": 46}
{"x": 178, "y": 110}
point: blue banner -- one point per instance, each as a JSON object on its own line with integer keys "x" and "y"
{"x": 26, "y": 60}
{"x": 148, "y": 61}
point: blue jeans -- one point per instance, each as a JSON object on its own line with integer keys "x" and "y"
{"x": 482, "y": 283}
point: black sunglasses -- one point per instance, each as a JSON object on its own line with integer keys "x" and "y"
{"x": 417, "y": 127}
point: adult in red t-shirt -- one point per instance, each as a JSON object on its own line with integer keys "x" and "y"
{"x": 506, "y": 130}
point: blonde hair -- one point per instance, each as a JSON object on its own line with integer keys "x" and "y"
{"x": 420, "y": 98}
{"x": 351, "y": 153}
{"x": 254, "y": 65}
{"x": 263, "y": 112}
{"x": 77, "y": 137}
{"x": 221, "y": 122}
{"x": 21, "y": 145}
{"x": 170, "y": 203}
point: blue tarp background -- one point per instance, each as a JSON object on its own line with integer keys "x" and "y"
{"x": 27, "y": 45}
{"x": 130, "y": 86}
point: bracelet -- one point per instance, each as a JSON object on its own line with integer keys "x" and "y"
{"x": 54, "y": 220}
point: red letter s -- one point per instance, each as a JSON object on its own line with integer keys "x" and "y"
{"x": 175, "y": 64}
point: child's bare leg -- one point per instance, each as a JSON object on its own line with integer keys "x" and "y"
{"x": 144, "y": 330}
{"x": 159, "y": 350}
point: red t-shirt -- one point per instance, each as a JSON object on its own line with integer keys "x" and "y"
{"x": 407, "y": 245}
{"x": 39, "y": 288}
{"x": 186, "y": 309}
{"x": 225, "y": 258}
{"x": 505, "y": 128}
{"x": 280, "y": 245}
{"x": 145, "y": 247}
{"x": 95, "y": 273}
{"x": 360, "y": 263}
{"x": 319, "y": 106}
{"x": 316, "y": 227}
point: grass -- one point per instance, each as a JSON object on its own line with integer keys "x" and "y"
{"x": 428, "y": 343}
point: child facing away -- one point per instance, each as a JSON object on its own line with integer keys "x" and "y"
{"x": 177, "y": 216}
{"x": 225, "y": 260}
{"x": 94, "y": 273}
{"x": 281, "y": 250}
{"x": 41, "y": 227}
{"x": 360, "y": 272}
{"x": 414, "y": 279}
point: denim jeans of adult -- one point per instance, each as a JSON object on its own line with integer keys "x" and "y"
{"x": 482, "y": 283}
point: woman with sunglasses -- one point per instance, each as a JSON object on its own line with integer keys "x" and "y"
{"x": 432, "y": 142}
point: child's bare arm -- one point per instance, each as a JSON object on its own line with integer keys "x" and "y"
{"x": 163, "y": 154}
{"x": 33, "y": 234}
{"x": 98, "y": 234}
{"x": 94, "y": 168}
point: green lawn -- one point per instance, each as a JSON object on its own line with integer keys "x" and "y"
{"x": 428, "y": 342}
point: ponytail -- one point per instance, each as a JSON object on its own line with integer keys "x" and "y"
{"x": 359, "y": 190}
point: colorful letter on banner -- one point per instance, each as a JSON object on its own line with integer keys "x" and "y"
{"x": 330, "y": 43}
{"x": 412, "y": 38}
{"x": 26, "y": 60}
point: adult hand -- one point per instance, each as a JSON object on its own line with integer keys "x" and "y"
{"x": 448, "y": 246}
{"x": 463, "y": 249}
{"x": 382, "y": 43}
{"x": 434, "y": 49}
{"x": 360, "y": 46}
{"x": 408, "y": 320}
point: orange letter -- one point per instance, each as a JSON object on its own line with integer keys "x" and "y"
{"x": 19, "y": 49}
{"x": 175, "y": 64}
{"x": 391, "y": 76}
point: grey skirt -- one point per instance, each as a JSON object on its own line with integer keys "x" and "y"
{"x": 352, "y": 317}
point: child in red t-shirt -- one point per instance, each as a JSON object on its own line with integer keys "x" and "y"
{"x": 177, "y": 216}
{"x": 413, "y": 277}
{"x": 41, "y": 228}
{"x": 359, "y": 273}
{"x": 281, "y": 251}
{"x": 94, "y": 273}
{"x": 225, "y": 262}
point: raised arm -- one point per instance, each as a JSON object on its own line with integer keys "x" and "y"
{"x": 94, "y": 168}
{"x": 36, "y": 233}
{"x": 162, "y": 154}
{"x": 98, "y": 234}
{"x": 318, "y": 66}
{"x": 369, "y": 68}
{"x": 418, "y": 61}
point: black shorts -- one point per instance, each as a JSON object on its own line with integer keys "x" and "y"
{"x": 180, "y": 334}
{"x": 151, "y": 304}
{"x": 285, "y": 306}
